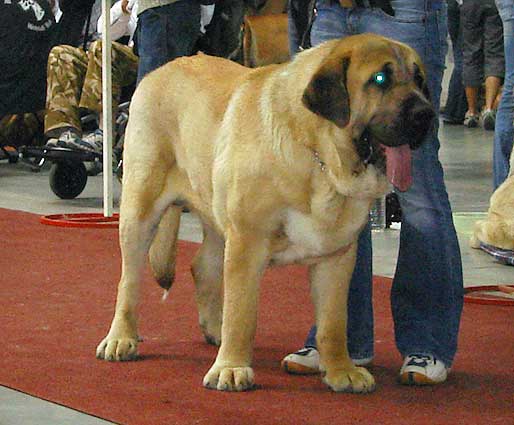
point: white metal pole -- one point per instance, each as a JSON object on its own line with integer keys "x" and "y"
{"x": 107, "y": 108}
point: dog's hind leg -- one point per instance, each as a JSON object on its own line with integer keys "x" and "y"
{"x": 207, "y": 270}
{"x": 164, "y": 248}
{"x": 146, "y": 196}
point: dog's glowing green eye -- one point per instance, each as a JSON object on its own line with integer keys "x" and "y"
{"x": 380, "y": 78}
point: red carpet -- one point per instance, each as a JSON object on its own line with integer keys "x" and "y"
{"x": 58, "y": 291}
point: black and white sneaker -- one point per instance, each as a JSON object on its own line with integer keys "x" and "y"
{"x": 65, "y": 138}
{"x": 422, "y": 369}
{"x": 93, "y": 142}
{"x": 305, "y": 361}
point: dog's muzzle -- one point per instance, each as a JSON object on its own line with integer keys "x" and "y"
{"x": 388, "y": 146}
{"x": 415, "y": 121}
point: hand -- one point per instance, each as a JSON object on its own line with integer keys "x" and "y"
{"x": 124, "y": 6}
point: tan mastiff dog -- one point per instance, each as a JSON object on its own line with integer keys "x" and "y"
{"x": 281, "y": 163}
{"x": 498, "y": 228}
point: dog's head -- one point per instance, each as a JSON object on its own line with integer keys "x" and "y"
{"x": 376, "y": 88}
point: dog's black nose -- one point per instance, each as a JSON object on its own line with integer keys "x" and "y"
{"x": 422, "y": 115}
{"x": 419, "y": 116}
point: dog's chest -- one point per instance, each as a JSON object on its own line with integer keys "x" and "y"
{"x": 307, "y": 240}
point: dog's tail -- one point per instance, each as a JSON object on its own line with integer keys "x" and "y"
{"x": 163, "y": 251}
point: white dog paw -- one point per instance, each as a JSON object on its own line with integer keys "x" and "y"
{"x": 474, "y": 242}
{"x": 229, "y": 378}
{"x": 117, "y": 349}
{"x": 355, "y": 380}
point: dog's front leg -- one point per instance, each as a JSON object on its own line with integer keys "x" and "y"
{"x": 135, "y": 237}
{"x": 330, "y": 281}
{"x": 245, "y": 260}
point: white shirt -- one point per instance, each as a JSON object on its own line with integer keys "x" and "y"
{"x": 121, "y": 23}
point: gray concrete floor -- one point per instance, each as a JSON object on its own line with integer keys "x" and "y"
{"x": 466, "y": 155}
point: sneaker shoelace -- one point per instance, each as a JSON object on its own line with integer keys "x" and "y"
{"x": 304, "y": 351}
{"x": 421, "y": 360}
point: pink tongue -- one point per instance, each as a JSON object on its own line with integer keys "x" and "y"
{"x": 398, "y": 166}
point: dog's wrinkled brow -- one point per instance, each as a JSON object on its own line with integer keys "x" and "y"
{"x": 403, "y": 73}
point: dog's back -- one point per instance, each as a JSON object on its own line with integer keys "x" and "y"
{"x": 165, "y": 94}
{"x": 168, "y": 121}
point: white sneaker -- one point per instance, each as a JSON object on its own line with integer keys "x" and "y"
{"x": 93, "y": 142}
{"x": 306, "y": 362}
{"x": 63, "y": 141}
{"x": 68, "y": 139}
{"x": 52, "y": 143}
{"x": 488, "y": 119}
{"x": 422, "y": 369}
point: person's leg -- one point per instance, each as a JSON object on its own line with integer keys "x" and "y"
{"x": 332, "y": 22}
{"x": 427, "y": 288}
{"x": 494, "y": 62}
{"x": 124, "y": 73}
{"x": 492, "y": 88}
{"x": 472, "y": 44}
{"x": 292, "y": 28}
{"x": 360, "y": 307}
{"x": 298, "y": 22}
{"x": 151, "y": 42}
{"x": 66, "y": 70}
{"x": 165, "y": 33}
{"x": 456, "y": 103}
{"x": 427, "y": 291}
{"x": 472, "y": 117}
{"x": 183, "y": 28}
{"x": 504, "y": 134}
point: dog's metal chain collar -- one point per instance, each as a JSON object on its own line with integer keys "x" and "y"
{"x": 365, "y": 138}
{"x": 319, "y": 161}
{"x": 366, "y": 161}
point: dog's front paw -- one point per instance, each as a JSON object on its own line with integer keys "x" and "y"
{"x": 116, "y": 349}
{"x": 229, "y": 378}
{"x": 354, "y": 380}
{"x": 474, "y": 240}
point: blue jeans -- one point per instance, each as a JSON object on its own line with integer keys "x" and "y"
{"x": 427, "y": 291}
{"x": 503, "y": 133}
{"x": 456, "y": 104}
{"x": 165, "y": 33}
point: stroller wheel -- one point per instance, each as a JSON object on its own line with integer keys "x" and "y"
{"x": 68, "y": 178}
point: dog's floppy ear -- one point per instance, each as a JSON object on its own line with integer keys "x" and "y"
{"x": 327, "y": 95}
